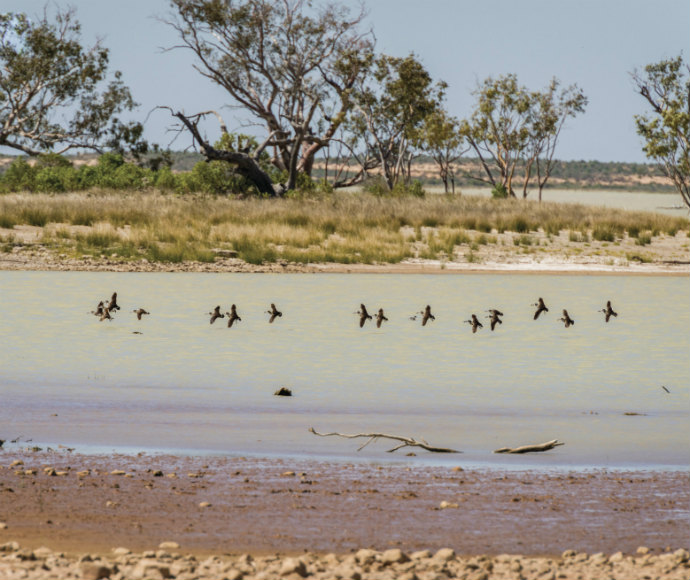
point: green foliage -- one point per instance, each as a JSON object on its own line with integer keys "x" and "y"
{"x": 19, "y": 176}
{"x": 666, "y": 87}
{"x": 499, "y": 191}
{"x": 512, "y": 127}
{"x": 604, "y": 233}
{"x": 55, "y": 87}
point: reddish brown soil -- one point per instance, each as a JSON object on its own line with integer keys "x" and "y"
{"x": 286, "y": 506}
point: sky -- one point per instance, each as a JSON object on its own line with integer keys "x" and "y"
{"x": 595, "y": 44}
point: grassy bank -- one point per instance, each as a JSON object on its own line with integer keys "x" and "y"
{"x": 340, "y": 228}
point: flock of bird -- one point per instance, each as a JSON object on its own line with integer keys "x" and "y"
{"x": 106, "y": 309}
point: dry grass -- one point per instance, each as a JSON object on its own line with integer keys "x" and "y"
{"x": 341, "y": 228}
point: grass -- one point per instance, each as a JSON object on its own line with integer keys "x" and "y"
{"x": 344, "y": 227}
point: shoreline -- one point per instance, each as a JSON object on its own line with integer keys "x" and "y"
{"x": 528, "y": 266}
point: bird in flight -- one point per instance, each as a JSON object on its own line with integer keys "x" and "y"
{"x": 274, "y": 312}
{"x": 608, "y": 311}
{"x": 541, "y": 307}
{"x": 474, "y": 322}
{"x": 232, "y": 316}
{"x": 566, "y": 319}
{"x": 215, "y": 314}
{"x": 363, "y": 315}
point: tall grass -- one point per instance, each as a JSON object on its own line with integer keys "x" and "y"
{"x": 343, "y": 227}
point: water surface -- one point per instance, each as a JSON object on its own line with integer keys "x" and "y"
{"x": 185, "y": 385}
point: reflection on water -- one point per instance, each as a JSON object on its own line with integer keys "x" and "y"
{"x": 184, "y": 384}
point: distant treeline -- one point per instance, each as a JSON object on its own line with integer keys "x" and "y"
{"x": 185, "y": 172}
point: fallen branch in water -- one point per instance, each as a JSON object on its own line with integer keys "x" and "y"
{"x": 405, "y": 441}
{"x": 531, "y": 448}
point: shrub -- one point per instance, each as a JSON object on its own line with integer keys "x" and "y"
{"x": 19, "y": 176}
{"x": 643, "y": 239}
{"x": 604, "y": 233}
{"x": 499, "y": 192}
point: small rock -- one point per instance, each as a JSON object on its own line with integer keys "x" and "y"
{"x": 617, "y": 557}
{"x": 233, "y": 574}
{"x": 148, "y": 569}
{"x": 117, "y": 472}
{"x": 169, "y": 546}
{"x": 30, "y": 471}
{"x": 205, "y": 504}
{"x": 347, "y": 572}
{"x": 681, "y": 555}
{"x": 448, "y": 505}
{"x": 420, "y": 555}
{"x": 283, "y": 392}
{"x": 9, "y": 547}
{"x": 121, "y": 551}
{"x": 293, "y": 566}
{"x": 3, "y": 526}
{"x": 394, "y": 556}
{"x": 158, "y": 473}
{"x": 288, "y": 474}
{"x": 42, "y": 553}
{"x": 91, "y": 571}
{"x": 365, "y": 557}
{"x": 445, "y": 555}
{"x": 16, "y": 462}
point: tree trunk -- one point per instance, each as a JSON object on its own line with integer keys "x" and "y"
{"x": 246, "y": 165}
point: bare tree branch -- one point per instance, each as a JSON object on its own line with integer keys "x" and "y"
{"x": 405, "y": 441}
{"x": 531, "y": 448}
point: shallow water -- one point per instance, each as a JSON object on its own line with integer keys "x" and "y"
{"x": 185, "y": 385}
{"x": 665, "y": 203}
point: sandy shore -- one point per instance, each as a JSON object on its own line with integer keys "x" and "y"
{"x": 523, "y": 264}
{"x": 278, "y": 509}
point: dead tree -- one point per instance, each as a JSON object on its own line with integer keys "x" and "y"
{"x": 246, "y": 163}
{"x": 405, "y": 441}
{"x": 531, "y": 448}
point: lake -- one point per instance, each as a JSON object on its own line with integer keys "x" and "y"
{"x": 665, "y": 203}
{"x": 183, "y": 385}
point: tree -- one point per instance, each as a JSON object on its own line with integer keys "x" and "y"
{"x": 549, "y": 112}
{"x": 666, "y": 88}
{"x": 289, "y": 66}
{"x": 390, "y": 105}
{"x": 50, "y": 97}
{"x": 440, "y": 138}
{"x": 498, "y": 129}
{"x": 512, "y": 127}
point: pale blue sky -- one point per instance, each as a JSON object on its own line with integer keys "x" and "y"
{"x": 594, "y": 43}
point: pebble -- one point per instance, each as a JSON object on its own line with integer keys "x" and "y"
{"x": 169, "y": 546}
{"x": 93, "y": 571}
{"x": 44, "y": 563}
{"x": 117, "y": 472}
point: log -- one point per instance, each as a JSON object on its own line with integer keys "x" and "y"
{"x": 531, "y": 448}
{"x": 405, "y": 441}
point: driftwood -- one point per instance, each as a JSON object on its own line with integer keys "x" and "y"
{"x": 531, "y": 448}
{"x": 405, "y": 441}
